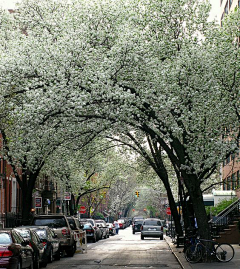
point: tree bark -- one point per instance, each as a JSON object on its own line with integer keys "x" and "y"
{"x": 195, "y": 193}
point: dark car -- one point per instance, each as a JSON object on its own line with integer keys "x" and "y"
{"x": 97, "y": 229}
{"x": 90, "y": 232}
{"x": 50, "y": 241}
{"x": 15, "y": 252}
{"x": 60, "y": 225}
{"x": 136, "y": 226}
{"x": 36, "y": 244}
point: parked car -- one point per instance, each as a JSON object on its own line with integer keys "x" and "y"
{"x": 74, "y": 224}
{"x": 15, "y": 252}
{"x": 61, "y": 227}
{"x": 136, "y": 226}
{"x": 122, "y": 223}
{"x": 152, "y": 227}
{"x": 97, "y": 229}
{"x": 50, "y": 241}
{"x": 137, "y": 217}
{"x": 39, "y": 258}
{"x": 103, "y": 230}
{"x": 111, "y": 228}
{"x": 90, "y": 232}
{"x": 103, "y": 227}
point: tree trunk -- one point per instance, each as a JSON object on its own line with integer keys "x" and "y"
{"x": 198, "y": 205}
{"x": 174, "y": 212}
{"x": 28, "y": 183}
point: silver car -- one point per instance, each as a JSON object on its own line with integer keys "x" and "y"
{"x": 152, "y": 227}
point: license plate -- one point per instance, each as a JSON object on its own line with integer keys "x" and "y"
{"x": 151, "y": 229}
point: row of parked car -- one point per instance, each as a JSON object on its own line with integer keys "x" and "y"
{"x": 48, "y": 237}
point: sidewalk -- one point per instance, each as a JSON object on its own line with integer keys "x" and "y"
{"x": 178, "y": 253}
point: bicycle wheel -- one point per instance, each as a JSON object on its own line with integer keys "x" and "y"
{"x": 193, "y": 254}
{"x": 224, "y": 252}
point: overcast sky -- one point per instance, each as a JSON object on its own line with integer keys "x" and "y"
{"x": 215, "y": 3}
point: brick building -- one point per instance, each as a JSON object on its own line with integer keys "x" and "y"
{"x": 231, "y": 166}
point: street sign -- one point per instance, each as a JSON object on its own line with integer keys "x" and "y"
{"x": 82, "y": 210}
{"x": 67, "y": 196}
{"x": 38, "y": 202}
{"x": 168, "y": 211}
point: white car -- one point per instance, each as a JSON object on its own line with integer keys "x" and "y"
{"x": 112, "y": 230}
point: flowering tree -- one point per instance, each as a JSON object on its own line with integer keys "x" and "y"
{"x": 157, "y": 66}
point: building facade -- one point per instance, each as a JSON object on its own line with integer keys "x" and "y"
{"x": 231, "y": 166}
{"x": 10, "y": 194}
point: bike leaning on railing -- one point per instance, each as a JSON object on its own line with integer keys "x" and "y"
{"x": 202, "y": 249}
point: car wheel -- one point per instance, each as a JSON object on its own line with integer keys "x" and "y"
{"x": 50, "y": 256}
{"x": 70, "y": 251}
{"x": 36, "y": 264}
{"x": 57, "y": 256}
{"x": 133, "y": 232}
{"x": 142, "y": 237}
{"x": 31, "y": 265}
{"x": 19, "y": 265}
{"x": 161, "y": 237}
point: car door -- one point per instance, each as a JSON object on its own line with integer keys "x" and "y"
{"x": 26, "y": 250}
{"x": 37, "y": 241}
{"x": 52, "y": 237}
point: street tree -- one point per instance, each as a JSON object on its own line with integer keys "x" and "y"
{"x": 159, "y": 67}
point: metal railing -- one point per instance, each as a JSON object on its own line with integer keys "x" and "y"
{"x": 225, "y": 218}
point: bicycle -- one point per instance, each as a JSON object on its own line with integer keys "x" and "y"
{"x": 223, "y": 252}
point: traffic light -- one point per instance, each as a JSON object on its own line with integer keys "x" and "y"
{"x": 137, "y": 193}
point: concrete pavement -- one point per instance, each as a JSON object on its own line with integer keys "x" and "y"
{"x": 178, "y": 253}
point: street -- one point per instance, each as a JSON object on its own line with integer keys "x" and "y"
{"x": 125, "y": 250}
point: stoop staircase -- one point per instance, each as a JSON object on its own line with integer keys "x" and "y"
{"x": 224, "y": 226}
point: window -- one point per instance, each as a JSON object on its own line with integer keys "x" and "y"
{"x": 238, "y": 179}
{"x": 228, "y": 159}
{"x": 224, "y": 184}
{"x": 233, "y": 181}
{"x": 5, "y": 239}
{"x": 228, "y": 183}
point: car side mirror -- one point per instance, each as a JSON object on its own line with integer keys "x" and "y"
{"x": 25, "y": 243}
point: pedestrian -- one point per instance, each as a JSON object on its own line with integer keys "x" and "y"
{"x": 116, "y": 225}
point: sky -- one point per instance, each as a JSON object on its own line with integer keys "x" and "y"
{"x": 215, "y": 6}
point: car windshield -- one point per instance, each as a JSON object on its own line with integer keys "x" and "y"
{"x": 24, "y": 233}
{"x": 5, "y": 239}
{"x": 71, "y": 221}
{"x": 138, "y": 222}
{"x": 52, "y": 223}
{"x": 42, "y": 233}
{"x": 89, "y": 220}
{"x": 152, "y": 223}
{"x": 87, "y": 226}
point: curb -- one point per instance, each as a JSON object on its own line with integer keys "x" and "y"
{"x": 178, "y": 255}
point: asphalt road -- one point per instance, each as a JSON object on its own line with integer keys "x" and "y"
{"x": 125, "y": 250}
